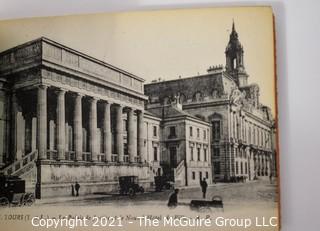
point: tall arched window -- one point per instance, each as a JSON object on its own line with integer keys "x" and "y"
{"x": 216, "y": 121}
{"x": 216, "y": 133}
{"x": 234, "y": 63}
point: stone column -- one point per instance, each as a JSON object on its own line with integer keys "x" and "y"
{"x": 236, "y": 117}
{"x": 245, "y": 130}
{"x": 51, "y": 135}
{"x": 241, "y": 127}
{"x": 34, "y": 134}
{"x": 119, "y": 133}
{"x": 132, "y": 139}
{"x": 77, "y": 124}
{"x": 107, "y": 136}
{"x": 93, "y": 129}
{"x": 61, "y": 132}
{"x": 19, "y": 135}
{"x": 260, "y": 163}
{"x": 265, "y": 163}
{"x": 141, "y": 136}
{"x": 231, "y": 124}
{"x": 16, "y": 129}
{"x": 66, "y": 137}
{"x": 42, "y": 122}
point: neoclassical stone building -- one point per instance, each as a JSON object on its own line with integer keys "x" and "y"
{"x": 68, "y": 117}
{"x": 241, "y": 127}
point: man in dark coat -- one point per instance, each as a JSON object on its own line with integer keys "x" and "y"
{"x": 204, "y": 187}
{"x": 77, "y": 187}
{"x": 173, "y": 199}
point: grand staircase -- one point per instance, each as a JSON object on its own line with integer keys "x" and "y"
{"x": 21, "y": 167}
{"x": 180, "y": 174}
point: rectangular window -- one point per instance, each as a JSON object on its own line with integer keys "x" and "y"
{"x": 155, "y": 131}
{"x": 173, "y": 156}
{"x": 205, "y": 155}
{"x": 216, "y": 130}
{"x": 190, "y": 131}
{"x": 241, "y": 168}
{"x": 193, "y": 175}
{"x": 207, "y": 175}
{"x": 237, "y": 168}
{"x": 246, "y": 167}
{"x": 198, "y": 151}
{"x": 155, "y": 153}
{"x": 125, "y": 148}
{"x": 200, "y": 175}
{"x": 216, "y": 152}
{"x": 216, "y": 168}
{"x": 191, "y": 153}
{"x": 204, "y": 134}
{"x": 198, "y": 132}
{"x": 172, "y": 132}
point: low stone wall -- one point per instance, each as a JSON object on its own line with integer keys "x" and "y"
{"x": 57, "y": 177}
{"x": 86, "y": 188}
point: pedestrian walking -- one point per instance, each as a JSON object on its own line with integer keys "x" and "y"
{"x": 173, "y": 199}
{"x": 77, "y": 187}
{"x": 270, "y": 178}
{"x": 204, "y": 187}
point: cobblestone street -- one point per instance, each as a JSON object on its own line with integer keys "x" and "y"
{"x": 233, "y": 194}
{"x": 251, "y": 200}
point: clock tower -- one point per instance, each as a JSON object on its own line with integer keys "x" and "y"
{"x": 234, "y": 59}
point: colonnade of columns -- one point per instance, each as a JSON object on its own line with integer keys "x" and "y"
{"x": 262, "y": 164}
{"x": 258, "y": 162}
{"x": 135, "y": 133}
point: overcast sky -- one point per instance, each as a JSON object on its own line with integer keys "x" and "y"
{"x": 161, "y": 44}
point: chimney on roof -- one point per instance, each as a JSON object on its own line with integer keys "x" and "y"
{"x": 215, "y": 69}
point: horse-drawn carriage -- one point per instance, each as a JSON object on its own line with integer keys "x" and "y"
{"x": 12, "y": 192}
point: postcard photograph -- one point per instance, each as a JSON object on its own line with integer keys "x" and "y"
{"x": 143, "y": 120}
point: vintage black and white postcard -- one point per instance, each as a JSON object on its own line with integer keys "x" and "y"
{"x": 139, "y": 120}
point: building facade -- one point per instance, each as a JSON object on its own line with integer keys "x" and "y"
{"x": 68, "y": 117}
{"x": 241, "y": 127}
{"x": 185, "y": 145}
